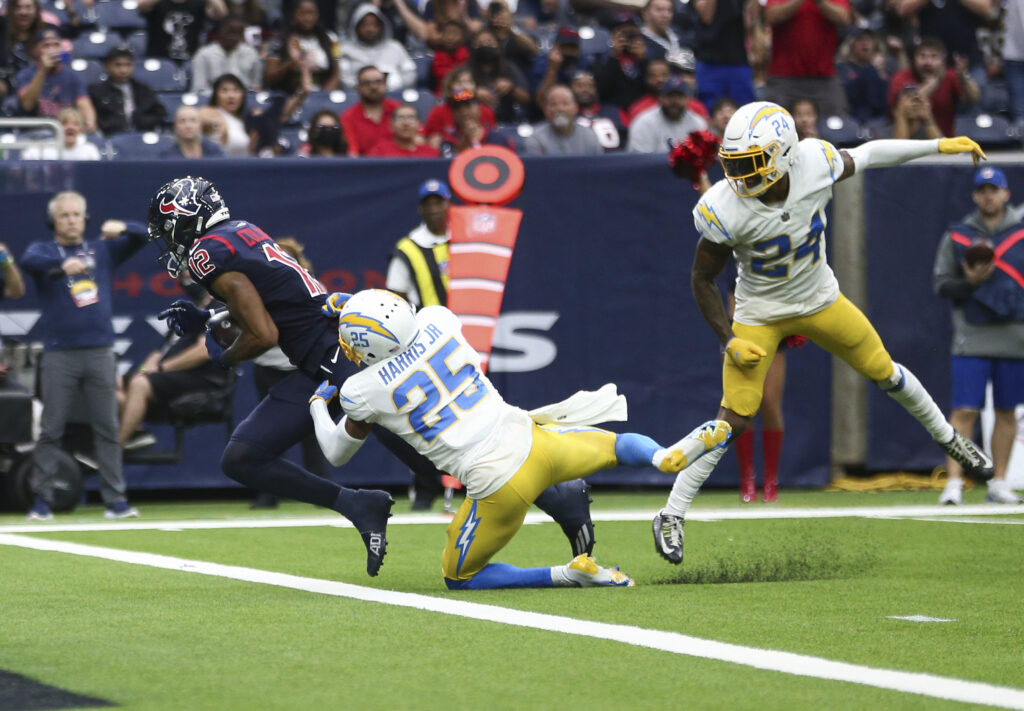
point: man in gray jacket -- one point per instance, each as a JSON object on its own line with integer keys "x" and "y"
{"x": 369, "y": 43}
{"x": 987, "y": 292}
{"x": 560, "y": 135}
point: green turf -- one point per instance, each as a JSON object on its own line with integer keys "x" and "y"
{"x": 158, "y": 639}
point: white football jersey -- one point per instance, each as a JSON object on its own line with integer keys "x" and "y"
{"x": 780, "y": 249}
{"x": 435, "y": 397}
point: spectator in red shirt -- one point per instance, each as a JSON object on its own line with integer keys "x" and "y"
{"x": 441, "y": 121}
{"x": 656, "y": 74}
{"x": 944, "y": 88}
{"x": 405, "y": 141}
{"x": 804, "y": 40}
{"x": 451, "y": 52}
{"x": 368, "y": 122}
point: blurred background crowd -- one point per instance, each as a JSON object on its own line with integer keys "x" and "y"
{"x": 423, "y": 78}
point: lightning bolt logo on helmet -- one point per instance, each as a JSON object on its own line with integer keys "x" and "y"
{"x": 375, "y": 325}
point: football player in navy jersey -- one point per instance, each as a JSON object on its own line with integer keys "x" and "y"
{"x": 274, "y": 302}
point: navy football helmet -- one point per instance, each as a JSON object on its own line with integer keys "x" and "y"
{"x": 181, "y": 211}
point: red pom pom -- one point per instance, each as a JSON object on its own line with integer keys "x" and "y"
{"x": 691, "y": 157}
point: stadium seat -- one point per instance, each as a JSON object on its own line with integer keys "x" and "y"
{"x": 161, "y": 75}
{"x": 119, "y": 15}
{"x": 91, "y": 70}
{"x": 423, "y": 100}
{"x": 840, "y": 132}
{"x": 879, "y": 127}
{"x": 595, "y": 41}
{"x": 293, "y": 137}
{"x": 423, "y": 63}
{"x": 95, "y": 45}
{"x": 137, "y": 41}
{"x": 336, "y": 101}
{"x": 102, "y": 145}
{"x": 992, "y": 132}
{"x": 172, "y": 100}
{"x": 139, "y": 145}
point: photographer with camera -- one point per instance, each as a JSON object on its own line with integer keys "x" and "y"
{"x": 620, "y": 78}
{"x": 912, "y": 115}
{"x": 942, "y": 88}
{"x": 50, "y": 86}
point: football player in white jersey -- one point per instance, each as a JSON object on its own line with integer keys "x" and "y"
{"x": 769, "y": 212}
{"x": 423, "y": 382}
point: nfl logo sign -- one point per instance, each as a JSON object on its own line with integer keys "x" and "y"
{"x": 483, "y": 223}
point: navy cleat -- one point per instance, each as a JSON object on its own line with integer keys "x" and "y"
{"x": 668, "y": 537}
{"x": 568, "y": 504}
{"x": 372, "y": 523}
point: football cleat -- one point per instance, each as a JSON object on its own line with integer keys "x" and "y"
{"x": 975, "y": 462}
{"x": 584, "y": 572}
{"x": 372, "y": 526}
{"x": 710, "y": 435}
{"x": 668, "y": 537}
{"x": 999, "y": 492}
{"x": 568, "y": 503}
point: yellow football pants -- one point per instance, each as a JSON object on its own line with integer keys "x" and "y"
{"x": 841, "y": 329}
{"x": 482, "y": 527}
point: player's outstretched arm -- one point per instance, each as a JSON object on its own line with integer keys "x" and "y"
{"x": 338, "y": 441}
{"x": 894, "y": 151}
{"x": 259, "y": 333}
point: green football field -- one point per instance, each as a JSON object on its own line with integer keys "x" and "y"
{"x": 823, "y": 601}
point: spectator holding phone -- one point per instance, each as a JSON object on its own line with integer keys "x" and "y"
{"x": 944, "y": 89}
{"x": 50, "y": 86}
{"x": 912, "y": 116}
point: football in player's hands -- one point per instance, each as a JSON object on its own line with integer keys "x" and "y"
{"x": 223, "y": 329}
{"x": 980, "y": 251}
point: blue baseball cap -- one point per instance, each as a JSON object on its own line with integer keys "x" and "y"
{"x": 675, "y": 85}
{"x": 990, "y": 176}
{"x": 434, "y": 187}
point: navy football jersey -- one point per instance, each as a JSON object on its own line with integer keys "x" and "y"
{"x": 291, "y": 295}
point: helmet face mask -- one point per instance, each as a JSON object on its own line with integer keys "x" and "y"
{"x": 375, "y": 325}
{"x": 180, "y": 212}
{"x": 759, "y": 143}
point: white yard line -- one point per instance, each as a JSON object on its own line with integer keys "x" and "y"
{"x": 772, "y": 660}
{"x": 750, "y": 513}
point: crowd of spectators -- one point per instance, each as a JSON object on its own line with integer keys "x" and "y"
{"x": 261, "y": 73}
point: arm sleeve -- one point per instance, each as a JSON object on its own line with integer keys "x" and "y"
{"x": 885, "y": 152}
{"x": 122, "y": 247}
{"x": 947, "y": 277}
{"x": 337, "y": 445}
{"x": 38, "y": 261}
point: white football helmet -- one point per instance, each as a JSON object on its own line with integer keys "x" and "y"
{"x": 375, "y": 325}
{"x": 759, "y": 142}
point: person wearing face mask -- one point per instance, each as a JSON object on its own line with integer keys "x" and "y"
{"x": 74, "y": 280}
{"x": 326, "y": 137}
{"x": 560, "y": 135}
{"x": 500, "y": 84}
{"x": 180, "y": 366}
{"x": 560, "y": 64}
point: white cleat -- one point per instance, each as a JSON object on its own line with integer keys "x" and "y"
{"x": 584, "y": 572}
